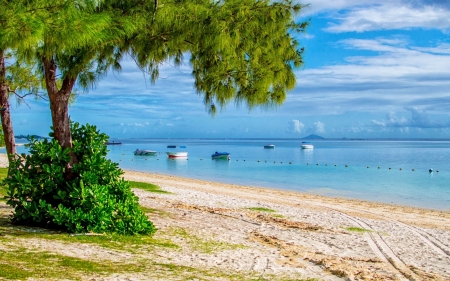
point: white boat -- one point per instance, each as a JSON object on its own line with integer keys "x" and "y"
{"x": 269, "y": 146}
{"x": 177, "y": 151}
{"x": 145, "y": 152}
{"x": 221, "y": 155}
{"x": 307, "y": 145}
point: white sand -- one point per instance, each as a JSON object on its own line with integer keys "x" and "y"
{"x": 308, "y": 236}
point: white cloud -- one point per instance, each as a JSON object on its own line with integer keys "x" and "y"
{"x": 389, "y": 15}
{"x": 443, "y": 49}
{"x": 295, "y": 127}
{"x": 396, "y": 76}
{"x": 418, "y": 119}
{"x": 317, "y": 127}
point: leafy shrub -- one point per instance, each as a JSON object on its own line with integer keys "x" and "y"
{"x": 90, "y": 197}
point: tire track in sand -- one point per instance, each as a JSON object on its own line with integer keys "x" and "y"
{"x": 382, "y": 249}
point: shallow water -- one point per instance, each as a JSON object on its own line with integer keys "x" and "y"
{"x": 321, "y": 170}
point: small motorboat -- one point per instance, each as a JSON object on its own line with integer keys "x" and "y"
{"x": 221, "y": 155}
{"x": 114, "y": 143}
{"x": 145, "y": 152}
{"x": 269, "y": 146}
{"x": 177, "y": 151}
{"x": 307, "y": 145}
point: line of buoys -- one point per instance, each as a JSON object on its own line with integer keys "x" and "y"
{"x": 307, "y": 163}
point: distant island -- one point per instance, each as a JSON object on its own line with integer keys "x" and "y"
{"x": 29, "y": 137}
{"x": 313, "y": 137}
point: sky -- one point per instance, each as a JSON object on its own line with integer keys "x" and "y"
{"x": 373, "y": 69}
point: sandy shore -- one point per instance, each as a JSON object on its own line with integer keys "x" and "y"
{"x": 305, "y": 236}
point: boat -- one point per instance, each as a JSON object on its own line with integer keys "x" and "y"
{"x": 269, "y": 146}
{"x": 114, "y": 143}
{"x": 221, "y": 155}
{"x": 177, "y": 151}
{"x": 145, "y": 152}
{"x": 307, "y": 145}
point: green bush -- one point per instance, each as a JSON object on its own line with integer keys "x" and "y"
{"x": 90, "y": 197}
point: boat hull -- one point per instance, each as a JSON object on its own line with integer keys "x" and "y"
{"x": 145, "y": 152}
{"x": 269, "y": 146}
{"x": 307, "y": 146}
{"x": 221, "y": 157}
{"x": 177, "y": 154}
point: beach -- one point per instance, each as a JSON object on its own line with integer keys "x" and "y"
{"x": 246, "y": 231}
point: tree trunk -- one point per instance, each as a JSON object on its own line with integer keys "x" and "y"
{"x": 59, "y": 106}
{"x": 8, "y": 131}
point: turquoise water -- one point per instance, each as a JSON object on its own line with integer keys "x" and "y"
{"x": 319, "y": 171}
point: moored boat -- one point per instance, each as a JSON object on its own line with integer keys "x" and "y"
{"x": 269, "y": 146}
{"x": 307, "y": 145}
{"x": 177, "y": 151}
{"x": 145, "y": 152}
{"x": 221, "y": 155}
{"x": 114, "y": 143}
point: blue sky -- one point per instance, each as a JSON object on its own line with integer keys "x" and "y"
{"x": 373, "y": 69}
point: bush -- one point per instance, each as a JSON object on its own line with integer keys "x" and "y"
{"x": 91, "y": 197}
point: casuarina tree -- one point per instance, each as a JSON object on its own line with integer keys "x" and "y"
{"x": 242, "y": 50}
{"x": 21, "y": 27}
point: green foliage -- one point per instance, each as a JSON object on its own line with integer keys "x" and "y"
{"x": 356, "y": 229}
{"x": 261, "y": 209}
{"x": 147, "y": 187}
{"x": 2, "y": 137}
{"x": 92, "y": 198}
{"x": 3, "y": 174}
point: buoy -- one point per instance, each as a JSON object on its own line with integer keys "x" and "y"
{"x": 367, "y": 167}
{"x": 258, "y": 161}
{"x": 282, "y": 163}
{"x": 274, "y": 162}
{"x": 346, "y": 165}
{"x": 401, "y": 169}
{"x": 244, "y": 160}
{"x": 317, "y": 164}
{"x": 378, "y": 167}
{"x": 290, "y": 162}
{"x": 413, "y": 169}
{"x": 265, "y": 161}
{"x": 430, "y": 170}
{"x": 307, "y": 163}
{"x": 326, "y": 164}
{"x": 389, "y": 168}
{"x": 201, "y": 158}
{"x": 437, "y": 171}
{"x": 335, "y": 165}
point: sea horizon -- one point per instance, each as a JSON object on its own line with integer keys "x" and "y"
{"x": 394, "y": 171}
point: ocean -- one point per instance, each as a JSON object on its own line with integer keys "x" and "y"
{"x": 386, "y": 171}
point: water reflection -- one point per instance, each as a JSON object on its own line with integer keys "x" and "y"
{"x": 221, "y": 163}
{"x": 308, "y": 155}
{"x": 178, "y": 163}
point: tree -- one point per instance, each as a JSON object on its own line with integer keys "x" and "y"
{"x": 2, "y": 138}
{"x": 20, "y": 29}
{"x": 241, "y": 50}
